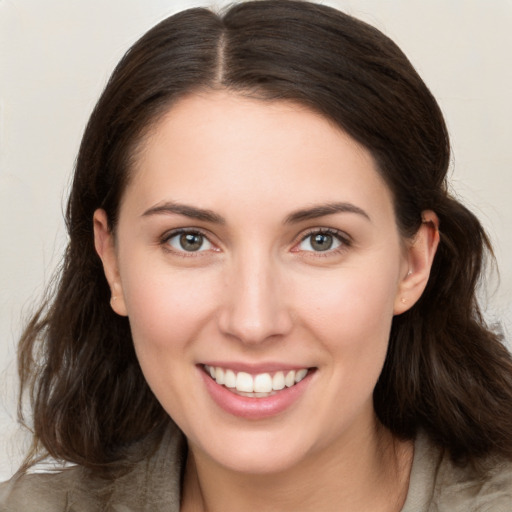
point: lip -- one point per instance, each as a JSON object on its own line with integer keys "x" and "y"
{"x": 253, "y": 369}
{"x": 254, "y": 408}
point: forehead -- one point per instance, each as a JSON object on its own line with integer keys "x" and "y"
{"x": 222, "y": 146}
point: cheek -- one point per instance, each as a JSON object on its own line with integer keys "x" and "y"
{"x": 167, "y": 308}
{"x": 350, "y": 314}
{"x": 353, "y": 307}
{"x": 168, "y": 312}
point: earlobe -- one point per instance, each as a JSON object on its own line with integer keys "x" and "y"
{"x": 420, "y": 256}
{"x": 105, "y": 247}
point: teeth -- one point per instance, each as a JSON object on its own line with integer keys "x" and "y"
{"x": 219, "y": 375}
{"x": 263, "y": 383}
{"x": 289, "y": 380}
{"x": 278, "y": 381}
{"x": 230, "y": 379}
{"x": 260, "y": 385}
{"x": 300, "y": 375}
{"x": 244, "y": 382}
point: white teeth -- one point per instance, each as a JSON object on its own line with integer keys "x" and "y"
{"x": 263, "y": 383}
{"x": 300, "y": 375}
{"x": 254, "y": 395}
{"x": 219, "y": 375}
{"x": 244, "y": 382}
{"x": 278, "y": 381}
{"x": 260, "y": 385}
{"x": 289, "y": 380}
{"x": 229, "y": 379}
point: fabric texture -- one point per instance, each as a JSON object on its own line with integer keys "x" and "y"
{"x": 153, "y": 485}
{"x": 436, "y": 485}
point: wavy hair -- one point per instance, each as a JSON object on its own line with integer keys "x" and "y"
{"x": 445, "y": 371}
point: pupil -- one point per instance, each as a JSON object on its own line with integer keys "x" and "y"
{"x": 191, "y": 241}
{"x": 321, "y": 242}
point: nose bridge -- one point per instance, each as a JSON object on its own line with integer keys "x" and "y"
{"x": 256, "y": 307}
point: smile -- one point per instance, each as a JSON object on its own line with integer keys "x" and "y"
{"x": 261, "y": 385}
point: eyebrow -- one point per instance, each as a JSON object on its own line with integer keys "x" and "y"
{"x": 170, "y": 208}
{"x": 324, "y": 209}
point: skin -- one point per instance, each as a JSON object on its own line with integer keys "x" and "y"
{"x": 257, "y": 292}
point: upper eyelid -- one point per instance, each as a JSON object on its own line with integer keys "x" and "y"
{"x": 328, "y": 231}
{"x": 178, "y": 231}
{"x": 346, "y": 242}
{"x": 165, "y": 237}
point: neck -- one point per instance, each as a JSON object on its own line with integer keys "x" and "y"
{"x": 369, "y": 473}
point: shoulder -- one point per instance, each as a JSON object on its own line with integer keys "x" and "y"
{"x": 42, "y": 492}
{"x": 437, "y": 484}
{"x": 153, "y": 483}
{"x": 475, "y": 489}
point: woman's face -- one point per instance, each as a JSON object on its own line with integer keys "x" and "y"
{"x": 257, "y": 243}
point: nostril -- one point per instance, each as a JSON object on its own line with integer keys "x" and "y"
{"x": 255, "y": 325}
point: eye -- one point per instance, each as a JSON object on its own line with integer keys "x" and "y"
{"x": 189, "y": 241}
{"x": 322, "y": 241}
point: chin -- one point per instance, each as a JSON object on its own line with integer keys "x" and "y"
{"x": 263, "y": 452}
{"x": 260, "y": 462}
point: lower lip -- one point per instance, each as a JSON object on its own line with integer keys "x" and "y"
{"x": 254, "y": 408}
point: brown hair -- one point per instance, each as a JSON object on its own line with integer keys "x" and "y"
{"x": 445, "y": 372}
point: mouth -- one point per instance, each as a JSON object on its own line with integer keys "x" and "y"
{"x": 260, "y": 385}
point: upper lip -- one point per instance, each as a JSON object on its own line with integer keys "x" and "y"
{"x": 254, "y": 369}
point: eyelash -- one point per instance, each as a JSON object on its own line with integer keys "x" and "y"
{"x": 344, "y": 240}
{"x": 164, "y": 241}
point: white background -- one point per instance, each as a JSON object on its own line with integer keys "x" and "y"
{"x": 56, "y": 55}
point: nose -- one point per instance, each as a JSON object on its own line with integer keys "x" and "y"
{"x": 255, "y": 308}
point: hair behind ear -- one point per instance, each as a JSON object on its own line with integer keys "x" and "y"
{"x": 446, "y": 372}
{"x": 89, "y": 398}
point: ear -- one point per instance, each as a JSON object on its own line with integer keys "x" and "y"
{"x": 105, "y": 247}
{"x": 420, "y": 256}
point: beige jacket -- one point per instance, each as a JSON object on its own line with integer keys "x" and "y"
{"x": 154, "y": 486}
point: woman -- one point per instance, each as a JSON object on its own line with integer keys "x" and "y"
{"x": 268, "y": 298}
